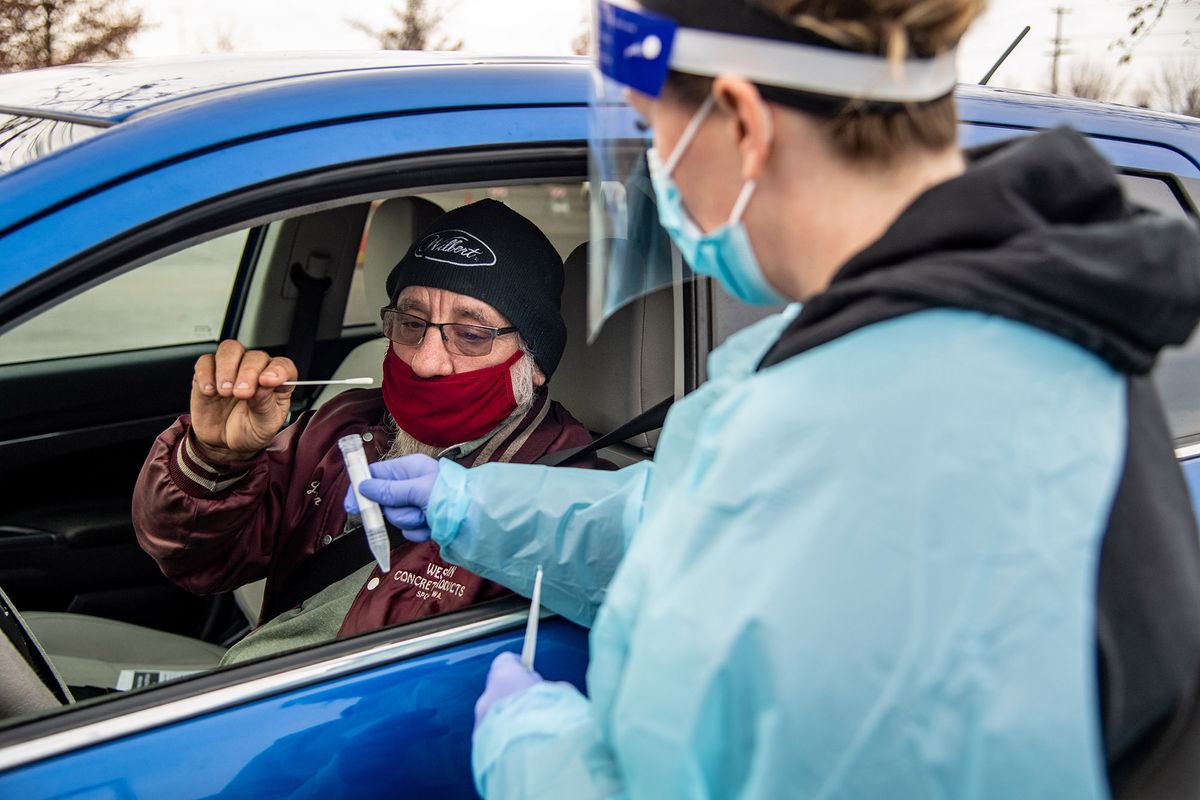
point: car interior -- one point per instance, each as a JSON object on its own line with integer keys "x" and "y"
{"x": 106, "y": 618}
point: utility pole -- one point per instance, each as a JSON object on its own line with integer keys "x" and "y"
{"x": 1059, "y": 47}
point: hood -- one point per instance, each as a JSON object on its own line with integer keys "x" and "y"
{"x": 1036, "y": 230}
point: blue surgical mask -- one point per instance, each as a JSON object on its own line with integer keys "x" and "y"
{"x": 725, "y": 253}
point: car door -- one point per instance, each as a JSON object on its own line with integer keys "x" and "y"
{"x": 385, "y": 714}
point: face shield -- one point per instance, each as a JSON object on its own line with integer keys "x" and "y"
{"x": 630, "y": 255}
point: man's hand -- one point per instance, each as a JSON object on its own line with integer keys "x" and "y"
{"x": 506, "y": 677}
{"x": 238, "y": 404}
{"x": 402, "y": 487}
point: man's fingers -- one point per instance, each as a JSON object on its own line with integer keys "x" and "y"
{"x": 228, "y": 360}
{"x": 245, "y": 385}
{"x": 269, "y": 394}
{"x": 203, "y": 376}
{"x": 279, "y": 369}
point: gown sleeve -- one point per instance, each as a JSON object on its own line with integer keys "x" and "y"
{"x": 543, "y": 742}
{"x": 502, "y": 521}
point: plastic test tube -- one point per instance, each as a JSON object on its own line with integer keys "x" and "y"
{"x": 372, "y": 516}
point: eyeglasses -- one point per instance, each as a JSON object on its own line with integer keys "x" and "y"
{"x": 461, "y": 339}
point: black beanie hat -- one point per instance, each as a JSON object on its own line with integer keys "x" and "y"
{"x": 488, "y": 251}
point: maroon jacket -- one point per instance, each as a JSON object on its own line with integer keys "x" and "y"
{"x": 214, "y": 527}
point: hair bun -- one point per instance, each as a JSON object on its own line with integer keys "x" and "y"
{"x": 895, "y": 28}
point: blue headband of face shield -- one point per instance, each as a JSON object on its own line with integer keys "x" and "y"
{"x": 637, "y": 49}
{"x": 633, "y": 48}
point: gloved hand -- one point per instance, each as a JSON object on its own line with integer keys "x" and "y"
{"x": 506, "y": 677}
{"x": 402, "y": 487}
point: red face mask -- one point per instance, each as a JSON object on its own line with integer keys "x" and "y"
{"x": 448, "y": 409}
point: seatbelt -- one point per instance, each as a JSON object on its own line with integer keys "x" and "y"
{"x": 649, "y": 420}
{"x": 327, "y": 566}
{"x": 302, "y": 339}
{"x": 349, "y": 552}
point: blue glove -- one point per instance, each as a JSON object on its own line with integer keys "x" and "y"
{"x": 506, "y": 677}
{"x": 402, "y": 487}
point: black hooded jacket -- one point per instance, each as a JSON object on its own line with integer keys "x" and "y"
{"x": 1038, "y": 230}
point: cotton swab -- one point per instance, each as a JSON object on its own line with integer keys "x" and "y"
{"x": 342, "y": 382}
{"x": 529, "y": 649}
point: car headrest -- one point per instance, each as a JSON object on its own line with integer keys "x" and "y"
{"x": 394, "y": 225}
{"x": 630, "y": 366}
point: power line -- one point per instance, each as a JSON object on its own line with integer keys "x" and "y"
{"x": 1059, "y": 47}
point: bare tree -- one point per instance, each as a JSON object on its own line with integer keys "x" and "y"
{"x": 42, "y": 33}
{"x": 581, "y": 45}
{"x": 1143, "y": 18}
{"x": 1177, "y": 85}
{"x": 417, "y": 24}
{"x": 1093, "y": 80}
{"x": 1143, "y": 97}
{"x": 224, "y": 39}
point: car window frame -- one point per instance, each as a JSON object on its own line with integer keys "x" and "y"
{"x": 288, "y": 196}
{"x": 1191, "y": 187}
{"x": 1175, "y": 183}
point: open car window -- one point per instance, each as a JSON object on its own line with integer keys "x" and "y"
{"x": 108, "y": 619}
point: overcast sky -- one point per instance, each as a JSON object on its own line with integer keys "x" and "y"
{"x": 549, "y": 26}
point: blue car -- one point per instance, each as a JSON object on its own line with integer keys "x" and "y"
{"x": 152, "y": 208}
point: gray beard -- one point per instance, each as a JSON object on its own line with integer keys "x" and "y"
{"x": 405, "y": 445}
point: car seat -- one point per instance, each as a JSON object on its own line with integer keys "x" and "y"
{"x": 627, "y": 370}
{"x": 100, "y": 652}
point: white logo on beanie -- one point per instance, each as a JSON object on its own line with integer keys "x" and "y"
{"x": 456, "y": 247}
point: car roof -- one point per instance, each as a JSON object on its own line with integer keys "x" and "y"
{"x": 106, "y": 93}
{"x": 110, "y": 92}
{"x": 82, "y": 126}
{"x": 1014, "y": 108}
{"x": 122, "y": 118}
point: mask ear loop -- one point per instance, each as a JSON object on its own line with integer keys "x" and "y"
{"x": 743, "y": 198}
{"x": 689, "y": 133}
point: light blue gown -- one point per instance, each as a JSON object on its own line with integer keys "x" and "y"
{"x": 866, "y": 572}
